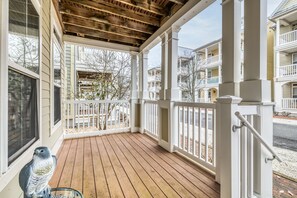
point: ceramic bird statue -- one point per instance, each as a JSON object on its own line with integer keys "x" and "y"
{"x": 35, "y": 175}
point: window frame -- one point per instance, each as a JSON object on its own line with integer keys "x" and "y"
{"x": 55, "y": 29}
{"x": 7, "y": 172}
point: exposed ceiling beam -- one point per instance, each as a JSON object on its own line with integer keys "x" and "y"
{"x": 114, "y": 21}
{"x": 93, "y": 25}
{"x": 145, "y": 6}
{"x": 181, "y": 2}
{"x": 124, "y": 13}
{"x": 98, "y": 44}
{"x": 102, "y": 35}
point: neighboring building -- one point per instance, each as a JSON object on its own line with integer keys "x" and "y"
{"x": 285, "y": 49}
{"x": 185, "y": 58}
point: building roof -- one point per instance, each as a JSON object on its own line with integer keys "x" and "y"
{"x": 185, "y": 52}
{"x": 208, "y": 45}
{"x": 285, "y": 7}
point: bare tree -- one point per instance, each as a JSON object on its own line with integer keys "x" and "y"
{"x": 191, "y": 79}
{"x": 110, "y": 80}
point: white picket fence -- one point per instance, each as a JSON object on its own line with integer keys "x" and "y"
{"x": 196, "y": 132}
{"x": 96, "y": 117}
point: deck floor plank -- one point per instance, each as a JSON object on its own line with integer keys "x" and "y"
{"x": 138, "y": 185}
{"x": 205, "y": 187}
{"x": 77, "y": 175}
{"x": 99, "y": 175}
{"x": 60, "y": 165}
{"x": 89, "y": 189}
{"x": 128, "y": 165}
{"x": 141, "y": 171}
{"x": 112, "y": 180}
{"x": 66, "y": 177}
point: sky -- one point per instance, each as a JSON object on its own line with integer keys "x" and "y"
{"x": 202, "y": 29}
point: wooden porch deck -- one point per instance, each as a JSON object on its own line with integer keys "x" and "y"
{"x": 129, "y": 165}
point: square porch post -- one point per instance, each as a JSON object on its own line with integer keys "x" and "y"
{"x": 143, "y": 91}
{"x": 134, "y": 93}
{"x": 167, "y": 112}
{"x": 231, "y": 63}
{"x": 256, "y": 89}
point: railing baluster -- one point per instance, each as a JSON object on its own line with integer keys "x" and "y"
{"x": 188, "y": 129}
{"x": 78, "y": 113}
{"x": 178, "y": 126}
{"x": 250, "y": 160}
{"x": 193, "y": 130}
{"x": 213, "y": 137}
{"x": 206, "y": 135}
{"x": 243, "y": 139}
{"x": 199, "y": 132}
{"x": 183, "y": 133}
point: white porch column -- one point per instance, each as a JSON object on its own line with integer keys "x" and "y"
{"x": 4, "y": 6}
{"x": 172, "y": 91}
{"x": 220, "y": 51}
{"x": 231, "y": 38}
{"x": 206, "y": 54}
{"x": 134, "y": 92}
{"x": 164, "y": 66}
{"x": 255, "y": 56}
{"x": 255, "y": 79}
{"x": 277, "y": 63}
{"x": 278, "y": 95}
{"x": 228, "y": 167}
{"x": 277, "y": 32}
{"x": 205, "y": 90}
{"x": 143, "y": 92}
{"x": 220, "y": 73}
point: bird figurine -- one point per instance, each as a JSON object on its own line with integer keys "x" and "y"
{"x": 35, "y": 175}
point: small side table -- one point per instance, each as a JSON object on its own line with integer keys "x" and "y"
{"x": 65, "y": 193}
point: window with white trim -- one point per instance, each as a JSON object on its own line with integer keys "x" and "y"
{"x": 56, "y": 65}
{"x": 294, "y": 91}
{"x": 23, "y": 77}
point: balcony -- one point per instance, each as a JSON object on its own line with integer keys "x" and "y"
{"x": 213, "y": 80}
{"x": 156, "y": 78}
{"x": 289, "y": 104}
{"x": 287, "y": 71}
{"x": 288, "y": 37}
{"x": 211, "y": 61}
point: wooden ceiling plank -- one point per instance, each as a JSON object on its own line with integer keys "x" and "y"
{"x": 131, "y": 25}
{"x": 152, "y": 7}
{"x": 104, "y": 36}
{"x": 102, "y": 28}
{"x": 180, "y": 2}
{"x": 113, "y": 11}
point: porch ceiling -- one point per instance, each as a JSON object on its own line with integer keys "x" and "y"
{"x": 126, "y": 22}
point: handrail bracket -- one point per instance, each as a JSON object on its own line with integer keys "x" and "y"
{"x": 236, "y": 127}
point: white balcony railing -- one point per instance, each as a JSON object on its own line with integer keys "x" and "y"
{"x": 203, "y": 100}
{"x": 210, "y": 60}
{"x": 287, "y": 70}
{"x": 96, "y": 116}
{"x": 213, "y": 80}
{"x": 151, "y": 118}
{"x": 288, "y": 37}
{"x": 196, "y": 132}
{"x": 289, "y": 103}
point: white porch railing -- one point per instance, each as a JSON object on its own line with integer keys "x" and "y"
{"x": 289, "y": 103}
{"x": 93, "y": 116}
{"x": 213, "y": 59}
{"x": 247, "y": 116}
{"x": 288, "y": 37}
{"x": 151, "y": 118}
{"x": 203, "y": 100}
{"x": 287, "y": 70}
{"x": 196, "y": 132}
{"x": 213, "y": 80}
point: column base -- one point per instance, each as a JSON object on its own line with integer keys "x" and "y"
{"x": 255, "y": 91}
{"x": 162, "y": 94}
{"x": 173, "y": 94}
{"x": 229, "y": 88}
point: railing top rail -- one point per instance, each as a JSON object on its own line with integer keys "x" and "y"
{"x": 196, "y": 104}
{"x": 96, "y": 101}
{"x": 150, "y": 101}
{"x": 290, "y": 65}
{"x": 257, "y": 135}
{"x": 288, "y": 33}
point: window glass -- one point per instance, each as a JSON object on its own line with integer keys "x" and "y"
{"x": 57, "y": 64}
{"x": 57, "y": 105}
{"x": 23, "y": 37}
{"x": 295, "y": 92}
{"x": 22, "y": 113}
